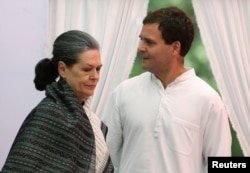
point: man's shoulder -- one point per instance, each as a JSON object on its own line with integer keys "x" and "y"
{"x": 137, "y": 79}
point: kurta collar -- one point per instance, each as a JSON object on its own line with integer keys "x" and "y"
{"x": 190, "y": 72}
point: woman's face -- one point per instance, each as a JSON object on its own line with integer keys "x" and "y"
{"x": 83, "y": 76}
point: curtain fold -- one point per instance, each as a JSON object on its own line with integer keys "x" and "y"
{"x": 225, "y": 30}
{"x": 114, "y": 23}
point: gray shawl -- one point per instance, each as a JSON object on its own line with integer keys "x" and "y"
{"x": 56, "y": 137}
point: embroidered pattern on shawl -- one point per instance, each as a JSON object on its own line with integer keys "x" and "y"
{"x": 56, "y": 137}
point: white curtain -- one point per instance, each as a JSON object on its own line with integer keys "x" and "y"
{"x": 225, "y": 31}
{"x": 114, "y": 23}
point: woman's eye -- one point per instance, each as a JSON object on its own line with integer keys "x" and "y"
{"x": 86, "y": 69}
{"x": 98, "y": 69}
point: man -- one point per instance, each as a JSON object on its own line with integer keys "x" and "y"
{"x": 166, "y": 120}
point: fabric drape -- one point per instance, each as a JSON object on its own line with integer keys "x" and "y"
{"x": 225, "y": 31}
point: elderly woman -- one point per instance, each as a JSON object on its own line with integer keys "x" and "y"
{"x": 61, "y": 134}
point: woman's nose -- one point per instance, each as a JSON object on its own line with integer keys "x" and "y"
{"x": 94, "y": 75}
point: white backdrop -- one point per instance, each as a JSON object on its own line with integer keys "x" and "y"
{"x": 23, "y": 39}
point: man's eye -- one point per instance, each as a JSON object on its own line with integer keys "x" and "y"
{"x": 148, "y": 42}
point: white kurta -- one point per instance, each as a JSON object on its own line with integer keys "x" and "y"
{"x": 172, "y": 130}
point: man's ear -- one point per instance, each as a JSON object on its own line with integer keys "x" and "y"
{"x": 176, "y": 47}
{"x": 62, "y": 69}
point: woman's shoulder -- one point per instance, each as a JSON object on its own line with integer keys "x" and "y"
{"x": 46, "y": 109}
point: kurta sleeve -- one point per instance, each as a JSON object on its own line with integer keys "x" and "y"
{"x": 112, "y": 119}
{"x": 217, "y": 136}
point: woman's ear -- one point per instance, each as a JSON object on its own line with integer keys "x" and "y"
{"x": 62, "y": 69}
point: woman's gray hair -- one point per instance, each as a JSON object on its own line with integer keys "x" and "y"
{"x": 66, "y": 48}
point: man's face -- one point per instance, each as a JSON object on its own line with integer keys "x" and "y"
{"x": 156, "y": 55}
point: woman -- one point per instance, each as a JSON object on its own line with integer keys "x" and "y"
{"x": 61, "y": 134}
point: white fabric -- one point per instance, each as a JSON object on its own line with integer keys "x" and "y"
{"x": 102, "y": 154}
{"x": 225, "y": 31}
{"x": 114, "y": 23}
{"x": 152, "y": 129}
